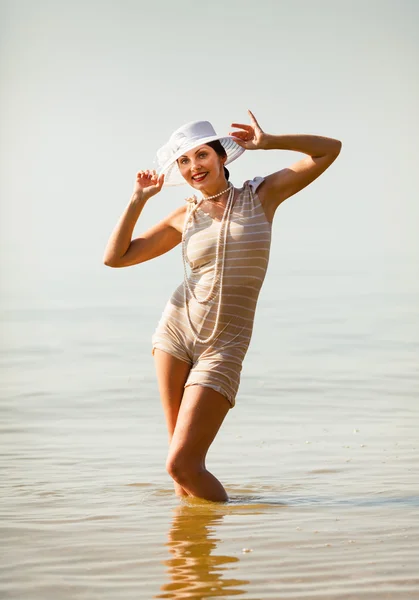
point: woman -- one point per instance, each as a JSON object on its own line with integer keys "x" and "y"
{"x": 205, "y": 330}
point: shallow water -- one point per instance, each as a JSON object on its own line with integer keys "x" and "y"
{"x": 319, "y": 456}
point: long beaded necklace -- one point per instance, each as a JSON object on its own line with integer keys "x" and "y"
{"x": 218, "y": 270}
{"x": 210, "y": 296}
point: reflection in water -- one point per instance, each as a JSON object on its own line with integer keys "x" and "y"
{"x": 193, "y": 571}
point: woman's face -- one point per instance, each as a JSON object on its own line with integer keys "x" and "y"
{"x": 201, "y": 167}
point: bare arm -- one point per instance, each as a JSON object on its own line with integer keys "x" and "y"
{"x": 322, "y": 153}
{"x": 121, "y": 250}
{"x": 279, "y": 186}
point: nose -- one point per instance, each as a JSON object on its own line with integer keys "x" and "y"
{"x": 195, "y": 162}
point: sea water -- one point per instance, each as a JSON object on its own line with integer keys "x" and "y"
{"x": 319, "y": 456}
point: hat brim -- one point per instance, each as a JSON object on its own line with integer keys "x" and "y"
{"x": 172, "y": 175}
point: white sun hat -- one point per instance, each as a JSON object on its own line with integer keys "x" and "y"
{"x": 187, "y": 138}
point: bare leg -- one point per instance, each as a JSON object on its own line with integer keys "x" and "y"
{"x": 172, "y": 374}
{"x": 201, "y": 414}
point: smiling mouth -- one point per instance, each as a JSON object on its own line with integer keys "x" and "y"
{"x": 199, "y": 177}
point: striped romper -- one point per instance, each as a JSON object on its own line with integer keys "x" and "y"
{"x": 217, "y": 364}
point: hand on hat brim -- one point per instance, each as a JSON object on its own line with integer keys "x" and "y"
{"x": 148, "y": 183}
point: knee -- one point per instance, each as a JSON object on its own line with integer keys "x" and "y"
{"x": 181, "y": 468}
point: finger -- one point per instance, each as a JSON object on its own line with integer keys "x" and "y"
{"x": 242, "y": 126}
{"x": 253, "y": 118}
{"x": 239, "y": 133}
{"x": 243, "y": 135}
{"x": 158, "y": 182}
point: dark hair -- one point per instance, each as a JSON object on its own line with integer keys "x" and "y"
{"x": 220, "y": 150}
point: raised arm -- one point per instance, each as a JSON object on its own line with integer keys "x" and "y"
{"x": 280, "y": 185}
{"x": 121, "y": 250}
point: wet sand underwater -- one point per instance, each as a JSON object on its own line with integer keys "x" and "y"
{"x": 319, "y": 457}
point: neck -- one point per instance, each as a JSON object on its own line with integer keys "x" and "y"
{"x": 218, "y": 190}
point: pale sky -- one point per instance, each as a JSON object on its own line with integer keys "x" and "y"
{"x": 90, "y": 89}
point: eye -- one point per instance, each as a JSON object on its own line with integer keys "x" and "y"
{"x": 202, "y": 154}
{"x": 183, "y": 161}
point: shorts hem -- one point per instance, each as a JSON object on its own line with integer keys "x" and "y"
{"x": 231, "y": 399}
{"x": 171, "y": 352}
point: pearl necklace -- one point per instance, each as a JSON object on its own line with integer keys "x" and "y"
{"x": 218, "y": 270}
{"x": 217, "y": 195}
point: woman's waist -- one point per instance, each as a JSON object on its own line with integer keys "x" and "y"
{"x": 242, "y": 297}
{"x": 236, "y": 279}
{"x": 245, "y": 289}
{"x": 235, "y": 314}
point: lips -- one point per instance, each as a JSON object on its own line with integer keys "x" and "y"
{"x": 200, "y": 176}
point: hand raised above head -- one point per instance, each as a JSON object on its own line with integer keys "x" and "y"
{"x": 148, "y": 183}
{"x": 250, "y": 137}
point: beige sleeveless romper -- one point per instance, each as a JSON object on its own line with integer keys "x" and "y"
{"x": 217, "y": 364}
